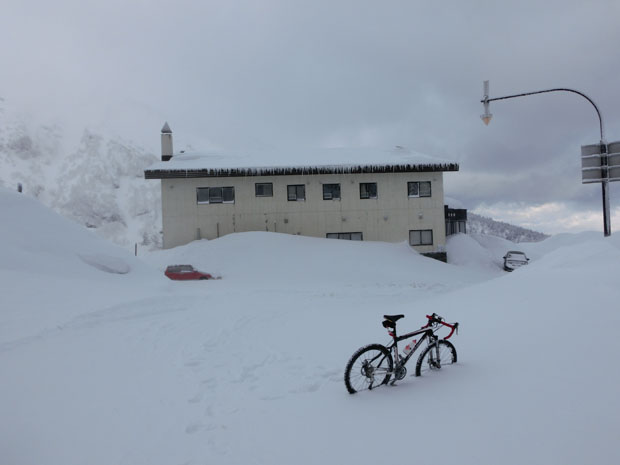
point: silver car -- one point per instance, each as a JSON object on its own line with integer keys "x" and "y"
{"x": 514, "y": 259}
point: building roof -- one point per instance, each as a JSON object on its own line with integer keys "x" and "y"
{"x": 296, "y": 161}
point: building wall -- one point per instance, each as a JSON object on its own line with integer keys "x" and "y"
{"x": 387, "y": 218}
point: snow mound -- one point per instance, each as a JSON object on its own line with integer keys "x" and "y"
{"x": 498, "y": 246}
{"x": 465, "y": 251}
{"x": 568, "y": 241}
{"x": 51, "y": 270}
{"x": 43, "y": 242}
{"x": 275, "y": 259}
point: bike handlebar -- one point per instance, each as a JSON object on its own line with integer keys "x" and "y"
{"x": 434, "y": 318}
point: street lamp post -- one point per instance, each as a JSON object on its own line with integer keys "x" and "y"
{"x": 598, "y": 165}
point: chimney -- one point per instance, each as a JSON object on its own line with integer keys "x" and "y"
{"x": 166, "y": 143}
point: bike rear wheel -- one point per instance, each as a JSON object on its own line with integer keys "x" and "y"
{"x": 369, "y": 367}
{"x": 428, "y": 358}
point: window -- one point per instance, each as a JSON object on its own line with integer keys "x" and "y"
{"x": 215, "y": 195}
{"x": 351, "y": 236}
{"x": 202, "y": 195}
{"x": 368, "y": 190}
{"x": 419, "y": 189}
{"x": 421, "y": 237}
{"x": 296, "y": 192}
{"x": 263, "y": 189}
{"x": 331, "y": 191}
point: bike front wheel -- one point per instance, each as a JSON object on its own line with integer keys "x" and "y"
{"x": 428, "y": 360}
{"x": 369, "y": 367}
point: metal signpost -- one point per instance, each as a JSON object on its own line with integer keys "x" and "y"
{"x": 599, "y": 162}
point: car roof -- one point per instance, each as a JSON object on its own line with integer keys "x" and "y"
{"x": 179, "y": 268}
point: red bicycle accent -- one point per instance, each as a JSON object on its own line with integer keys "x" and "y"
{"x": 433, "y": 319}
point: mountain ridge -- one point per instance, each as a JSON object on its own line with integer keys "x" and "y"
{"x": 96, "y": 180}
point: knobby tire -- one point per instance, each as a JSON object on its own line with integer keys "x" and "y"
{"x": 371, "y": 366}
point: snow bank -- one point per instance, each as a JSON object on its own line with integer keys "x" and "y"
{"x": 53, "y": 269}
{"x": 42, "y": 241}
{"x": 284, "y": 260}
{"x": 466, "y": 251}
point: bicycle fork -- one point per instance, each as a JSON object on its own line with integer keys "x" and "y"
{"x": 435, "y": 360}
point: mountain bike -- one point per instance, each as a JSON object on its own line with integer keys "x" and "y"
{"x": 373, "y": 365}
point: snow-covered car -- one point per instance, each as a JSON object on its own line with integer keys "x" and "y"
{"x": 185, "y": 272}
{"x": 514, "y": 259}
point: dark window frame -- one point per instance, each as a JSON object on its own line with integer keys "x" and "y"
{"x": 296, "y": 197}
{"x": 211, "y": 196}
{"x": 263, "y": 184}
{"x": 421, "y": 240}
{"x": 343, "y": 236}
{"x": 365, "y": 193}
{"x": 419, "y": 190}
{"x": 330, "y": 195}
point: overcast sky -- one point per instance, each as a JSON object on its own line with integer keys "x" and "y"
{"x": 244, "y": 74}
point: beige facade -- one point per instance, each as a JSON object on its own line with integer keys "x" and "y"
{"x": 389, "y": 217}
{"x": 209, "y": 195}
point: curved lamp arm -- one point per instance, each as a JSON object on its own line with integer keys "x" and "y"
{"x": 486, "y": 101}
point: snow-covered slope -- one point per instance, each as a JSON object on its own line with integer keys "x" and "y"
{"x": 478, "y": 224}
{"x": 96, "y": 180}
{"x": 104, "y": 366}
{"x": 53, "y": 269}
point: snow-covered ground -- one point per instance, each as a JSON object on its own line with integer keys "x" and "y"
{"x": 106, "y": 361}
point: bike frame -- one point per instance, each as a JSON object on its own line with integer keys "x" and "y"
{"x": 428, "y": 332}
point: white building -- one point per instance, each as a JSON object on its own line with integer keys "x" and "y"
{"x": 355, "y": 194}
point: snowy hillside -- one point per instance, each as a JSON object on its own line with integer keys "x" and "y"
{"x": 96, "y": 180}
{"x": 477, "y": 224}
{"x": 106, "y": 361}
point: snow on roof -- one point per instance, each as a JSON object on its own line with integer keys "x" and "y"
{"x": 296, "y": 161}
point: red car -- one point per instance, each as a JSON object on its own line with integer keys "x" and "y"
{"x": 185, "y": 272}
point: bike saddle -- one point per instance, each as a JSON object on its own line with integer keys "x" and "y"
{"x": 393, "y": 318}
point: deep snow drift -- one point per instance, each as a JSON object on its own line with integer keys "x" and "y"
{"x": 104, "y": 360}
